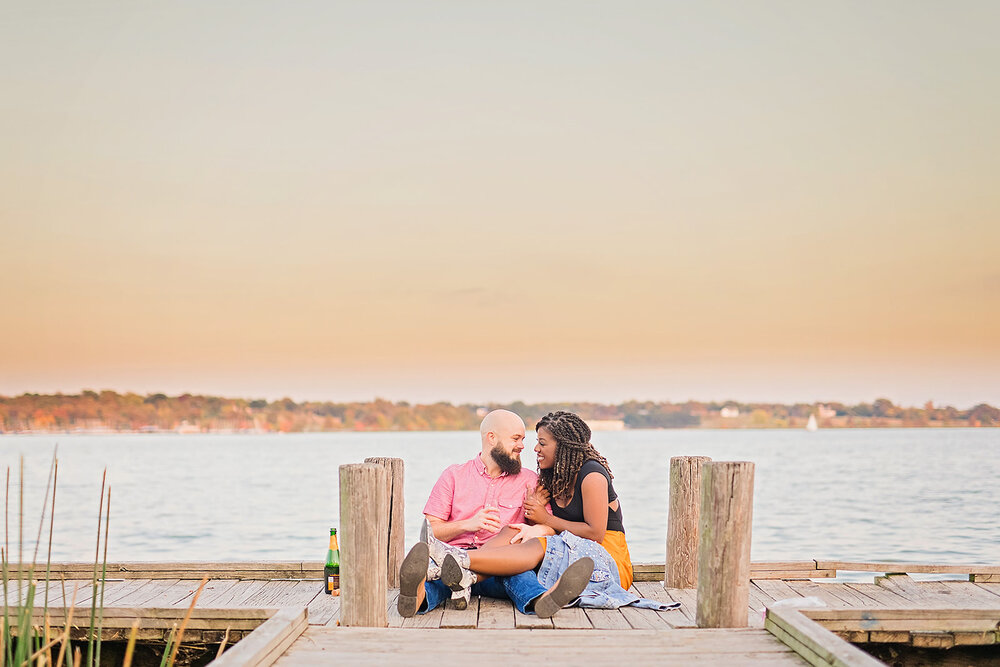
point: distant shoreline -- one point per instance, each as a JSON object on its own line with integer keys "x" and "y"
{"x": 456, "y": 430}
{"x": 107, "y": 412}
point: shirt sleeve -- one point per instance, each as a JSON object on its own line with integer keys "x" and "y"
{"x": 591, "y": 467}
{"x": 440, "y": 501}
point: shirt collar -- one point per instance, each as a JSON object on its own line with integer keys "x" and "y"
{"x": 481, "y": 467}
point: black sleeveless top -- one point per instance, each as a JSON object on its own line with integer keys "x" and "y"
{"x": 574, "y": 511}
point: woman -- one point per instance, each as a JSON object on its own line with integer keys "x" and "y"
{"x": 579, "y": 550}
{"x": 576, "y": 481}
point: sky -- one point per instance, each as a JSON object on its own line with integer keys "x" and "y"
{"x": 474, "y": 202}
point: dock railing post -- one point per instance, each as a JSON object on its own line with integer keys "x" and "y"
{"x": 681, "y": 570}
{"x": 724, "y": 544}
{"x": 364, "y": 528}
{"x": 397, "y": 534}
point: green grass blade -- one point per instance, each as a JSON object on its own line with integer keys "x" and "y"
{"x": 168, "y": 647}
{"x": 104, "y": 577}
{"x": 8, "y": 649}
{"x": 52, "y": 520}
{"x": 93, "y": 581}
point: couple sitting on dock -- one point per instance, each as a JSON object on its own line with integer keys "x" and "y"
{"x": 488, "y": 529}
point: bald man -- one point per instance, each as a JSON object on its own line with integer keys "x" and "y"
{"x": 468, "y": 505}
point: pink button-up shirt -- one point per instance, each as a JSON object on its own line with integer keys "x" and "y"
{"x": 464, "y": 489}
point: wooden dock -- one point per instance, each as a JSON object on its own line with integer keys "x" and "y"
{"x": 280, "y": 612}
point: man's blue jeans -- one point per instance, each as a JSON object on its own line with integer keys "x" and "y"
{"x": 521, "y": 589}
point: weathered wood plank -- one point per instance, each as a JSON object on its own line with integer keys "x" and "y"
{"x": 901, "y": 613}
{"x": 142, "y": 595}
{"x": 886, "y": 597}
{"x": 607, "y": 619}
{"x": 461, "y": 618}
{"x": 173, "y": 596}
{"x": 675, "y": 617}
{"x": 961, "y": 594}
{"x": 266, "y": 595}
{"x": 431, "y": 619}
{"x": 797, "y": 569}
{"x": 238, "y": 595}
{"x": 214, "y": 589}
{"x": 849, "y": 596}
{"x": 265, "y": 644}
{"x": 932, "y": 639}
{"x": 975, "y": 638}
{"x": 909, "y": 568}
{"x": 186, "y": 570}
{"x": 989, "y": 588}
{"x": 811, "y": 640}
{"x": 392, "y": 611}
{"x": 645, "y": 619}
{"x": 531, "y": 622}
{"x": 571, "y": 618}
{"x": 905, "y": 587}
{"x": 812, "y": 589}
{"x": 906, "y": 619}
{"x": 689, "y": 605}
{"x": 793, "y": 574}
{"x": 777, "y": 590}
{"x": 324, "y": 607}
{"x": 496, "y": 614}
{"x": 320, "y": 646}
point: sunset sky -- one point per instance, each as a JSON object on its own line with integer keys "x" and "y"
{"x": 473, "y": 201}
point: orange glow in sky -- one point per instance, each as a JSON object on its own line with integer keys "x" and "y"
{"x": 473, "y": 202}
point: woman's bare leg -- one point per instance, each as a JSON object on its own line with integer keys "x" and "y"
{"x": 507, "y": 560}
{"x": 501, "y": 539}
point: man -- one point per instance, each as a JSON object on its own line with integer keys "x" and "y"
{"x": 468, "y": 505}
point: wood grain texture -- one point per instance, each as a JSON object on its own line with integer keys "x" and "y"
{"x": 724, "y": 544}
{"x": 684, "y": 508}
{"x": 364, "y": 522}
{"x": 397, "y": 518}
{"x": 363, "y": 646}
{"x": 265, "y": 644}
{"x": 813, "y": 642}
{"x": 908, "y": 568}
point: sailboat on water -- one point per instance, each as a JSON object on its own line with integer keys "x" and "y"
{"x": 811, "y": 425}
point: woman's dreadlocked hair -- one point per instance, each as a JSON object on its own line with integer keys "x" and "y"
{"x": 573, "y": 449}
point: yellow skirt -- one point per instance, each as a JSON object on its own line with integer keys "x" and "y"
{"x": 614, "y": 543}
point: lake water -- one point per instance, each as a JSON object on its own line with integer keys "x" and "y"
{"x": 902, "y": 494}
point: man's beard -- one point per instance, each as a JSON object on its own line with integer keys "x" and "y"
{"x": 505, "y": 461}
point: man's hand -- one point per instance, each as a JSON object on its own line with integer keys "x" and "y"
{"x": 487, "y": 518}
{"x": 534, "y": 506}
{"x": 526, "y": 532}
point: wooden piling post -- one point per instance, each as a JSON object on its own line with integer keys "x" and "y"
{"x": 364, "y": 529}
{"x": 397, "y": 529}
{"x": 724, "y": 544}
{"x": 681, "y": 569}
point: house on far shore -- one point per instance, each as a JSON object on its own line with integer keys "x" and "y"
{"x": 729, "y": 412}
{"x": 606, "y": 424}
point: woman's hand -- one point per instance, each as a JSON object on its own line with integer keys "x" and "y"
{"x": 534, "y": 507}
{"x": 526, "y": 532}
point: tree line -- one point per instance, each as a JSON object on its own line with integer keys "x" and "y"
{"x": 91, "y": 411}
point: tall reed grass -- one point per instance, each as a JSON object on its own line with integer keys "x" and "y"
{"x": 28, "y": 637}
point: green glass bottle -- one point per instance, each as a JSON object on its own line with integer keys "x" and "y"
{"x": 331, "y": 571}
